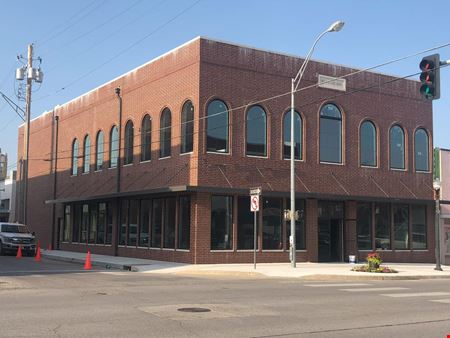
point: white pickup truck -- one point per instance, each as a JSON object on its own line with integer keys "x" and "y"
{"x": 14, "y": 234}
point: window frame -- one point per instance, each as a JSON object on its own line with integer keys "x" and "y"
{"x": 341, "y": 133}
{"x": 75, "y": 151}
{"x": 86, "y": 154}
{"x": 165, "y": 133}
{"x": 98, "y": 166}
{"x": 405, "y": 150}
{"x": 302, "y": 138}
{"x": 228, "y": 146}
{"x": 375, "y": 143}
{"x": 247, "y": 125}
{"x": 128, "y": 157}
{"x": 427, "y": 148}
{"x": 146, "y": 138}
{"x": 186, "y": 124}
{"x": 113, "y": 129}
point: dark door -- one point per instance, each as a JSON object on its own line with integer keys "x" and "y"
{"x": 330, "y": 227}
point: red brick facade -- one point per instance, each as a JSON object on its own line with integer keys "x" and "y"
{"x": 200, "y": 71}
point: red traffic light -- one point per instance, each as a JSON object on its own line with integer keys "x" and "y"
{"x": 429, "y": 77}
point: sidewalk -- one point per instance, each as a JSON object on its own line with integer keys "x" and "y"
{"x": 311, "y": 271}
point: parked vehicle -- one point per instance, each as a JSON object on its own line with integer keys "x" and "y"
{"x": 14, "y": 234}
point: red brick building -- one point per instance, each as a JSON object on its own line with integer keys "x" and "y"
{"x": 157, "y": 163}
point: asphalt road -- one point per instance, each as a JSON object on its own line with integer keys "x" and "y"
{"x": 55, "y": 299}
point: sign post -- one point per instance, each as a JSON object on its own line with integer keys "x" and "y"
{"x": 254, "y": 207}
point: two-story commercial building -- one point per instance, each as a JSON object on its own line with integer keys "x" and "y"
{"x": 158, "y": 162}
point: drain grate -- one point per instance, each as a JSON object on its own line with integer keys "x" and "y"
{"x": 194, "y": 309}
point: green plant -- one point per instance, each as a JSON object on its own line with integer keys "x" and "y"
{"x": 374, "y": 260}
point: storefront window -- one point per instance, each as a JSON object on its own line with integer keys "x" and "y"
{"x": 102, "y": 217}
{"x": 110, "y": 224}
{"x": 93, "y": 224}
{"x": 382, "y": 227}
{"x": 67, "y": 223}
{"x": 401, "y": 219}
{"x": 145, "y": 223}
{"x": 169, "y": 223}
{"x": 132, "y": 223}
{"x": 76, "y": 223}
{"x": 419, "y": 226}
{"x": 221, "y": 222}
{"x": 123, "y": 222}
{"x": 272, "y": 220}
{"x": 245, "y": 224}
{"x": 85, "y": 223}
{"x": 364, "y": 226}
{"x": 155, "y": 238}
{"x": 184, "y": 221}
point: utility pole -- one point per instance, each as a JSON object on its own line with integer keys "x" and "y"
{"x": 37, "y": 75}
{"x": 26, "y": 139}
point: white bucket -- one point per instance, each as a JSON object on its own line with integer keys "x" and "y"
{"x": 352, "y": 259}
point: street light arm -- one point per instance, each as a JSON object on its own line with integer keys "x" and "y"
{"x": 299, "y": 75}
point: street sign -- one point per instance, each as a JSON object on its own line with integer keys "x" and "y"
{"x": 254, "y": 203}
{"x": 255, "y": 191}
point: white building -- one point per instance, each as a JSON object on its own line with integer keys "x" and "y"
{"x": 7, "y": 197}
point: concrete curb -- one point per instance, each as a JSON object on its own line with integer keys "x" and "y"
{"x": 241, "y": 274}
{"x": 106, "y": 265}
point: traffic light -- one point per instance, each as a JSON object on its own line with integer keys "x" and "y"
{"x": 430, "y": 66}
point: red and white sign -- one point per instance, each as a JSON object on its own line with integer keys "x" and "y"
{"x": 254, "y": 203}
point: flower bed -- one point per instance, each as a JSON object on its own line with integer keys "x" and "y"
{"x": 373, "y": 265}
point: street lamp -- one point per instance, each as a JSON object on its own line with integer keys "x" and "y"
{"x": 335, "y": 27}
{"x": 437, "y": 190}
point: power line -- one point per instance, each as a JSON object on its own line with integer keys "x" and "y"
{"x": 123, "y": 51}
{"x": 98, "y": 43}
{"x": 58, "y": 33}
{"x": 95, "y": 28}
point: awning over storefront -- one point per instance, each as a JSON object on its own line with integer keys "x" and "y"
{"x": 239, "y": 191}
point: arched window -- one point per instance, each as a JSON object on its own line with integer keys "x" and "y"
{"x": 99, "y": 149}
{"x": 256, "y": 144}
{"x": 421, "y": 150}
{"x": 217, "y": 127}
{"x": 187, "y": 127}
{"x": 113, "y": 147}
{"x": 368, "y": 144}
{"x": 330, "y": 134}
{"x": 165, "y": 133}
{"x": 129, "y": 138}
{"x": 86, "y": 154}
{"x": 298, "y": 130}
{"x": 146, "y": 138}
{"x": 397, "y": 147}
{"x": 75, "y": 157}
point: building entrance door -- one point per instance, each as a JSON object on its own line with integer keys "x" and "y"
{"x": 330, "y": 228}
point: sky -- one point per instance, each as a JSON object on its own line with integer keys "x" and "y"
{"x": 86, "y": 43}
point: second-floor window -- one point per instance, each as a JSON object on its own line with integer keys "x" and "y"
{"x": 165, "y": 133}
{"x": 297, "y": 135}
{"x": 421, "y": 150}
{"x": 397, "y": 147}
{"x": 330, "y": 134}
{"x": 75, "y": 157}
{"x": 217, "y": 127}
{"x": 113, "y": 147}
{"x": 86, "y": 154}
{"x": 256, "y": 123}
{"x": 99, "y": 151}
{"x": 146, "y": 138}
{"x": 187, "y": 127}
{"x": 368, "y": 144}
{"x": 129, "y": 138}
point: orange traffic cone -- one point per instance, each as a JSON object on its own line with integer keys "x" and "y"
{"x": 37, "y": 258}
{"x": 19, "y": 252}
{"x": 87, "y": 264}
